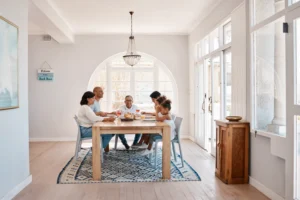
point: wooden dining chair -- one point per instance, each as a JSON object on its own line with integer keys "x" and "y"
{"x": 80, "y": 139}
{"x": 178, "y": 122}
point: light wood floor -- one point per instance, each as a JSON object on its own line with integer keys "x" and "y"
{"x": 48, "y": 158}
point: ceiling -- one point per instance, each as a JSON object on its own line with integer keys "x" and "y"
{"x": 112, "y": 16}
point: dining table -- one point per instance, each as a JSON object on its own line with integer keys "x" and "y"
{"x": 131, "y": 127}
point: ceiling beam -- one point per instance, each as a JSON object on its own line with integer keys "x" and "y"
{"x": 44, "y": 15}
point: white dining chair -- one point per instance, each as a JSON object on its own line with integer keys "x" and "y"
{"x": 178, "y": 122}
{"x": 80, "y": 139}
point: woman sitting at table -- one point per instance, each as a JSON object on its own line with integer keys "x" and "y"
{"x": 163, "y": 116}
{"x": 87, "y": 117}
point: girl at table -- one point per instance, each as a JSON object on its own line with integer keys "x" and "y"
{"x": 145, "y": 137}
{"x": 87, "y": 117}
{"x": 163, "y": 116}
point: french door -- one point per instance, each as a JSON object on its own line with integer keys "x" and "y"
{"x": 293, "y": 92}
{"x": 210, "y": 100}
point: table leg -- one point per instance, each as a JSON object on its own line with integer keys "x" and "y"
{"x": 96, "y": 154}
{"x": 166, "y": 153}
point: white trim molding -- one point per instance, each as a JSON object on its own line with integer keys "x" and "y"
{"x": 58, "y": 139}
{"x": 11, "y": 194}
{"x": 263, "y": 189}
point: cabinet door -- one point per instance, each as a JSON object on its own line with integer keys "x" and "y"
{"x": 218, "y": 152}
{"x": 221, "y": 138}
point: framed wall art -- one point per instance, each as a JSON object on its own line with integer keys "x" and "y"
{"x": 9, "y": 83}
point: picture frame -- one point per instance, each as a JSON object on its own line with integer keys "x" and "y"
{"x": 9, "y": 65}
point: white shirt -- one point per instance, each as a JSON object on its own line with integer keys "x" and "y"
{"x": 96, "y": 106}
{"x": 171, "y": 123}
{"x": 87, "y": 117}
{"x": 124, "y": 109}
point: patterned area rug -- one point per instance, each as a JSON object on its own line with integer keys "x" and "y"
{"x": 123, "y": 166}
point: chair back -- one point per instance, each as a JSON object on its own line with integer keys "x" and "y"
{"x": 178, "y": 122}
{"x": 78, "y": 126}
{"x": 173, "y": 116}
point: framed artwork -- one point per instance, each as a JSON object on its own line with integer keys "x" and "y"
{"x": 9, "y": 83}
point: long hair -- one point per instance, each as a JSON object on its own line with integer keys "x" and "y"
{"x": 86, "y": 96}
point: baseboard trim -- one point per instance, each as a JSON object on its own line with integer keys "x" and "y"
{"x": 263, "y": 189}
{"x": 69, "y": 139}
{"x": 11, "y": 194}
{"x": 60, "y": 139}
{"x": 192, "y": 138}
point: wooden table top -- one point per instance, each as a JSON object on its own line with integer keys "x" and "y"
{"x": 135, "y": 124}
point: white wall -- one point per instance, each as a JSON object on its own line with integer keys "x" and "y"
{"x": 53, "y": 104}
{"x": 265, "y": 168}
{"x": 219, "y": 14}
{"x": 14, "y": 123}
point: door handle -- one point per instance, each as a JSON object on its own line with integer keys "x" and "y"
{"x": 203, "y": 103}
{"x": 210, "y": 104}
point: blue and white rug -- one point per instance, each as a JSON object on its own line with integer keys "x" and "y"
{"x": 123, "y": 166}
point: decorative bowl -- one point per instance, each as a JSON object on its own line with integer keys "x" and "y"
{"x": 233, "y": 118}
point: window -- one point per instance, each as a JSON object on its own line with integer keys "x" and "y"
{"x": 139, "y": 81}
{"x": 214, "y": 40}
{"x": 228, "y": 75}
{"x": 264, "y": 9}
{"x": 269, "y": 67}
{"x": 294, "y": 1}
{"x": 227, "y": 33}
{"x": 297, "y": 161}
{"x": 297, "y": 60}
{"x": 205, "y": 48}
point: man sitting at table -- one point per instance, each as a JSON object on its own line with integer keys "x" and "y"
{"x": 98, "y": 91}
{"x": 129, "y": 107}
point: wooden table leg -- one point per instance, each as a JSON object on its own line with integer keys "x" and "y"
{"x": 166, "y": 153}
{"x": 96, "y": 154}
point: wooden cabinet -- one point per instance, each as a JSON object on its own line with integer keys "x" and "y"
{"x": 232, "y": 151}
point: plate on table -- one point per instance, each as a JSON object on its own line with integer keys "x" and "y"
{"x": 126, "y": 119}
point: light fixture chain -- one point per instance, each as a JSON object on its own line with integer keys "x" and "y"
{"x": 131, "y": 24}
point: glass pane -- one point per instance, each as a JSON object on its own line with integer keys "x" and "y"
{"x": 297, "y": 155}
{"x": 101, "y": 84}
{"x": 217, "y": 94}
{"x": 227, "y": 33}
{"x": 165, "y": 86}
{"x": 143, "y": 97}
{"x": 205, "y": 46}
{"x": 119, "y": 96}
{"x": 169, "y": 95}
{"x": 214, "y": 40}
{"x": 208, "y": 120}
{"x": 297, "y": 59}
{"x": 269, "y": 59}
{"x": 144, "y": 76}
{"x": 120, "y": 76}
{"x": 144, "y": 86}
{"x": 162, "y": 76}
{"x": 121, "y": 86}
{"x": 266, "y": 8}
{"x": 294, "y": 1}
{"x": 228, "y": 83}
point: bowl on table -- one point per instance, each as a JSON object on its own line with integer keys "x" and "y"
{"x": 233, "y": 118}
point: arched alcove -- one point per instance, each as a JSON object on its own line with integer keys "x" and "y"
{"x": 119, "y": 80}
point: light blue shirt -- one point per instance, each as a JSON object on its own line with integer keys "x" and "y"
{"x": 96, "y": 106}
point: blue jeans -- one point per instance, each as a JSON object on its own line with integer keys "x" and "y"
{"x": 87, "y": 133}
{"x": 154, "y": 137}
{"x": 124, "y": 141}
